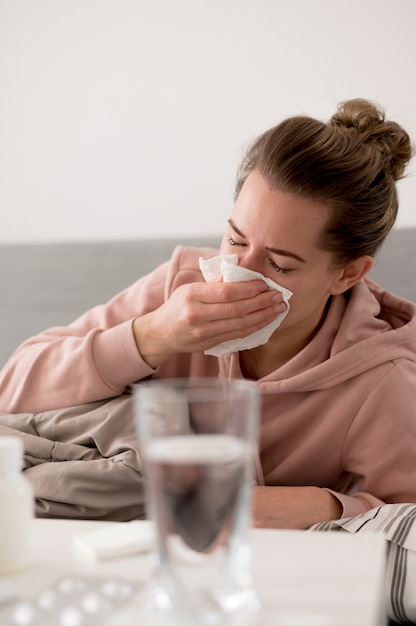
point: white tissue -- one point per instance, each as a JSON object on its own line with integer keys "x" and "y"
{"x": 114, "y": 540}
{"x": 225, "y": 265}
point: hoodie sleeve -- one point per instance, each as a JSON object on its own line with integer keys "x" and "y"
{"x": 380, "y": 447}
{"x": 93, "y": 358}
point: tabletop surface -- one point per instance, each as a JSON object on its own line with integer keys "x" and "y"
{"x": 301, "y": 578}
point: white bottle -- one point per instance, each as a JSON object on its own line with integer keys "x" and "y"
{"x": 16, "y": 508}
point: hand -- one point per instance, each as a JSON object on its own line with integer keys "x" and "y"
{"x": 199, "y": 316}
{"x": 293, "y": 507}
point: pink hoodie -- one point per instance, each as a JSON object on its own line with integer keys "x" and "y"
{"x": 339, "y": 415}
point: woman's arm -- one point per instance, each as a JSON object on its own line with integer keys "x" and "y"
{"x": 379, "y": 449}
{"x": 293, "y": 507}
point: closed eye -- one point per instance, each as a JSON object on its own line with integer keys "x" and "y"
{"x": 277, "y": 268}
{"x": 233, "y": 242}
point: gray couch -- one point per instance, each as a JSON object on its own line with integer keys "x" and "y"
{"x": 43, "y": 285}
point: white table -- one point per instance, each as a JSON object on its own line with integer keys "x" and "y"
{"x": 302, "y": 578}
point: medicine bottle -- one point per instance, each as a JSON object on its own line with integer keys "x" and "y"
{"x": 16, "y": 508}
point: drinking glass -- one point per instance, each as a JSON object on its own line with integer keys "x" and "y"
{"x": 197, "y": 438}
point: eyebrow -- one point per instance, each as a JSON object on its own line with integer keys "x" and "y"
{"x": 274, "y": 250}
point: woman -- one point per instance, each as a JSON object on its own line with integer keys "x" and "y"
{"x": 313, "y": 204}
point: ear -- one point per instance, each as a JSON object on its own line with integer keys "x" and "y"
{"x": 351, "y": 274}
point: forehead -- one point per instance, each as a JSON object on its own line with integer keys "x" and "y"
{"x": 261, "y": 210}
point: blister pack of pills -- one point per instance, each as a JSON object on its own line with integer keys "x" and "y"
{"x": 72, "y": 601}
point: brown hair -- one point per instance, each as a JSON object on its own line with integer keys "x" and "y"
{"x": 350, "y": 164}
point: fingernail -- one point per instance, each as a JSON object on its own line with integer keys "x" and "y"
{"x": 263, "y": 286}
{"x": 277, "y": 297}
{"x": 280, "y": 308}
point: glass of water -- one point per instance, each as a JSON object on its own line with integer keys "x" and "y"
{"x": 197, "y": 438}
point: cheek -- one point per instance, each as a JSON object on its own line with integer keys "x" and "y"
{"x": 306, "y": 298}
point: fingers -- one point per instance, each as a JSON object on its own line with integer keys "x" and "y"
{"x": 216, "y": 292}
{"x": 230, "y": 301}
{"x": 250, "y": 307}
{"x": 237, "y": 327}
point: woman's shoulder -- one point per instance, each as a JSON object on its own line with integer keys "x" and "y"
{"x": 187, "y": 257}
{"x": 184, "y": 265}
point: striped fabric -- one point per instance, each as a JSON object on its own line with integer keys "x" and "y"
{"x": 398, "y": 523}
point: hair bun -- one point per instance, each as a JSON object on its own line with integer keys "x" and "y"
{"x": 389, "y": 141}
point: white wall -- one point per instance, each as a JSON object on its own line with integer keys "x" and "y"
{"x": 124, "y": 118}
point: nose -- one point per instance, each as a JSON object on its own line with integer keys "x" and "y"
{"x": 250, "y": 261}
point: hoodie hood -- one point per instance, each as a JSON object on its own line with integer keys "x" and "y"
{"x": 364, "y": 328}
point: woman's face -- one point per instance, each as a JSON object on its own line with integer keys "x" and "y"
{"x": 276, "y": 233}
